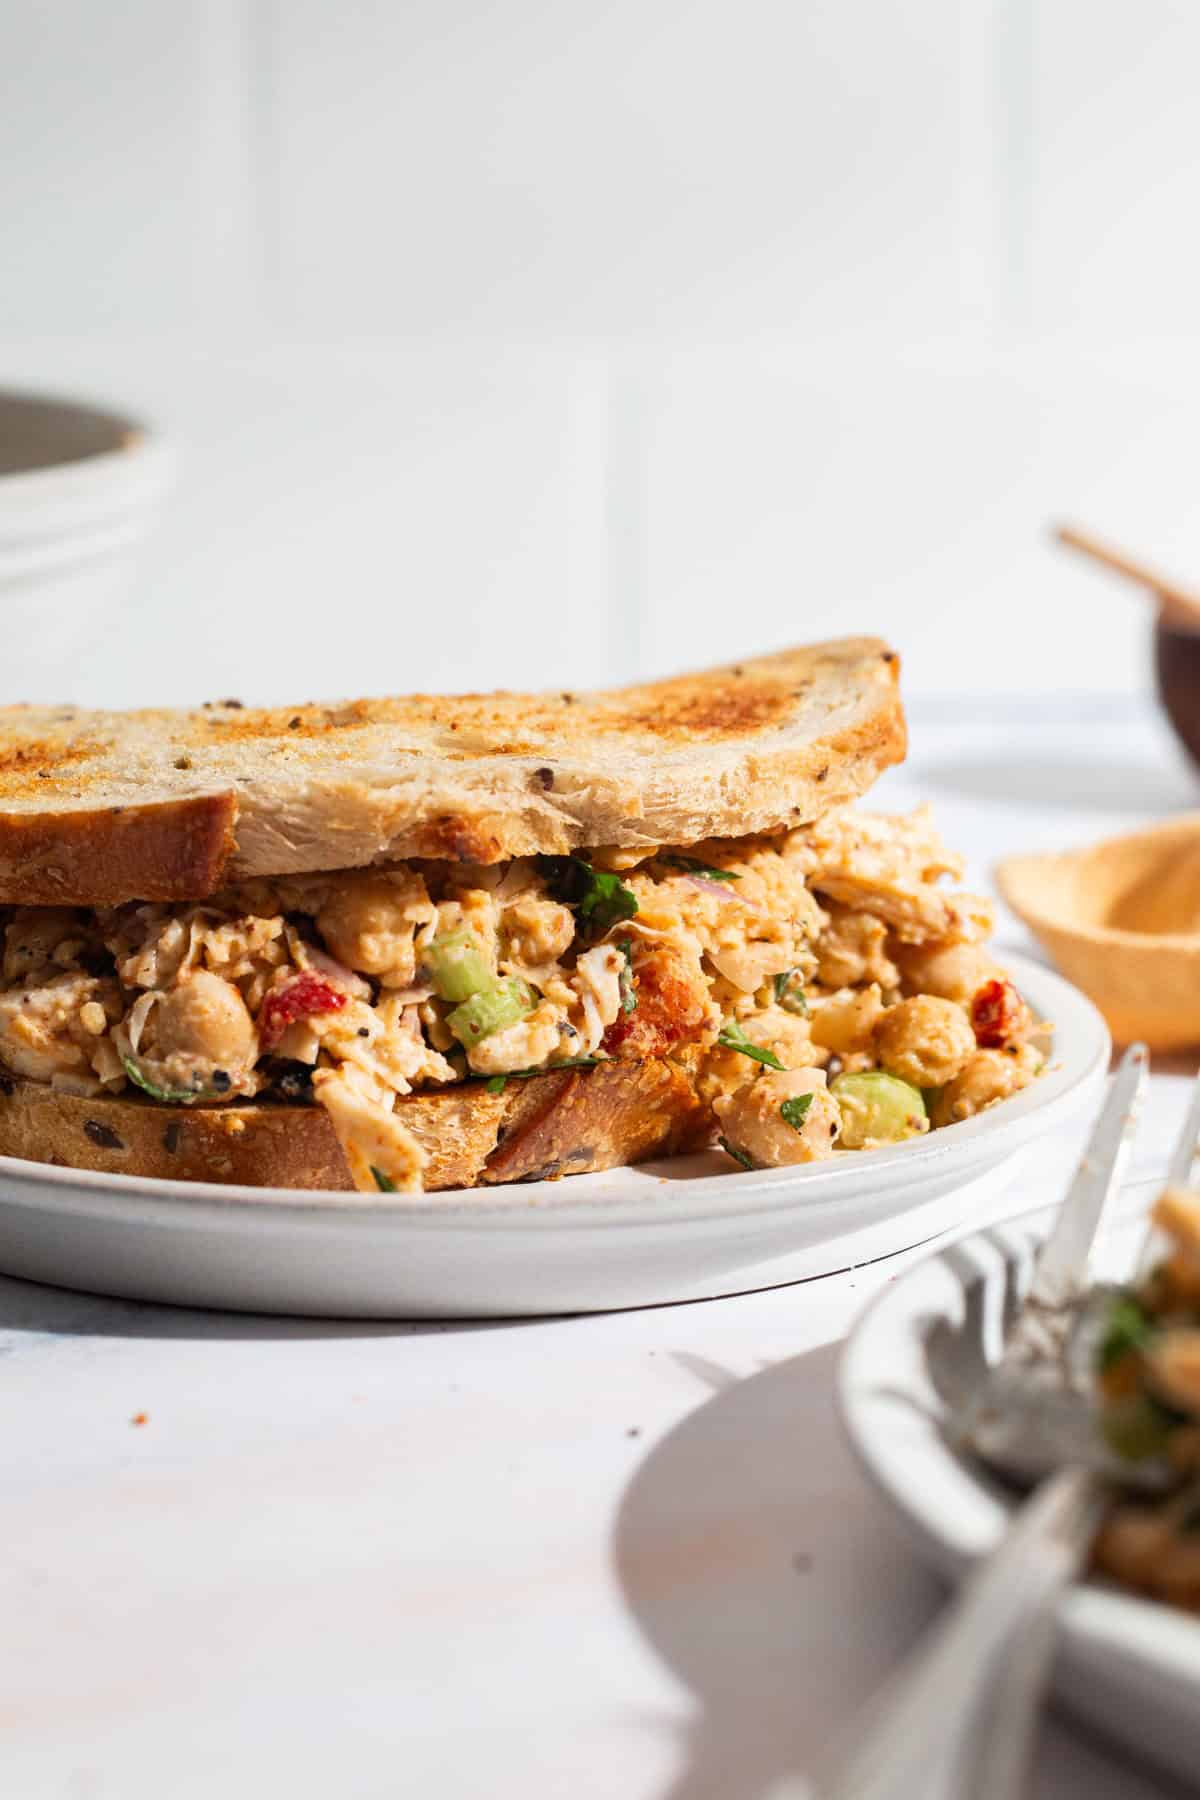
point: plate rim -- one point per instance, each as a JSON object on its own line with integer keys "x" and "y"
{"x": 985, "y": 1139}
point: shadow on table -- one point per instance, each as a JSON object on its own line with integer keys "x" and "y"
{"x": 765, "y": 1573}
{"x": 1096, "y": 785}
{"x": 772, "y": 1581}
{"x": 27, "y": 1307}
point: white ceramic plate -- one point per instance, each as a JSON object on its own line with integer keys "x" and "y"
{"x": 685, "y": 1229}
{"x": 1128, "y": 1665}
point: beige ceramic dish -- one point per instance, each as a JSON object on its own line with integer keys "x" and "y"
{"x": 1122, "y": 921}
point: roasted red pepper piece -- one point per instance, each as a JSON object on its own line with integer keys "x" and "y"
{"x": 302, "y": 998}
{"x": 997, "y": 1012}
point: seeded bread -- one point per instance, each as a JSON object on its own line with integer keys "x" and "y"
{"x": 564, "y": 1122}
{"x": 97, "y": 808}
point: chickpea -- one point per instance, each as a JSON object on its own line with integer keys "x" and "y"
{"x": 204, "y": 1019}
{"x": 925, "y": 1041}
{"x": 1131, "y": 1543}
{"x": 1175, "y": 1366}
{"x": 852, "y": 950}
{"x": 951, "y": 971}
{"x": 369, "y": 922}
{"x": 754, "y": 1124}
{"x": 845, "y": 1022}
{"x": 1177, "y": 1212}
{"x": 536, "y": 931}
{"x": 988, "y": 1076}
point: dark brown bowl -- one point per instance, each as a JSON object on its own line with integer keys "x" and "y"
{"x": 1177, "y": 668}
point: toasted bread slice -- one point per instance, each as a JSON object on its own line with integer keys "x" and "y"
{"x": 565, "y": 1122}
{"x": 97, "y": 808}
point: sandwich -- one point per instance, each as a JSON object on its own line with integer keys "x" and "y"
{"x": 436, "y": 943}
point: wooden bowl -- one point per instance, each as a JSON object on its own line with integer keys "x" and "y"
{"x": 1177, "y": 669}
{"x": 1122, "y": 921}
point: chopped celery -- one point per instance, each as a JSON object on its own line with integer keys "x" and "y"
{"x": 493, "y": 1010}
{"x": 457, "y": 966}
{"x": 877, "y": 1108}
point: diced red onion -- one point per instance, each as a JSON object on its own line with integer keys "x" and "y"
{"x": 721, "y": 889}
{"x": 335, "y": 971}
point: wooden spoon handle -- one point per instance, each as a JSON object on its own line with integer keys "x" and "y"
{"x": 1176, "y": 604}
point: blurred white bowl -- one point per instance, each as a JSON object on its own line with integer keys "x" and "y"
{"x": 79, "y": 487}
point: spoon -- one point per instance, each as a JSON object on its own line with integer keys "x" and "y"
{"x": 1177, "y": 607}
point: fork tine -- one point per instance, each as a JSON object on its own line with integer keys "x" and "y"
{"x": 1063, "y": 1266}
{"x": 1179, "y": 1169}
{"x": 1179, "y": 1174}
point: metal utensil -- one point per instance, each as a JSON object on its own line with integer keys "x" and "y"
{"x": 956, "y": 1720}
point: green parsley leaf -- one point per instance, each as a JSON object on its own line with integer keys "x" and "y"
{"x": 793, "y": 1112}
{"x": 739, "y": 1156}
{"x": 1126, "y": 1329}
{"x": 174, "y": 1095}
{"x": 732, "y": 1037}
{"x": 789, "y": 993}
{"x": 598, "y": 899}
{"x": 576, "y": 1062}
{"x": 628, "y": 991}
{"x": 383, "y": 1182}
{"x": 695, "y": 867}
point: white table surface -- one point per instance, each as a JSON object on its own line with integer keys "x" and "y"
{"x": 616, "y": 1558}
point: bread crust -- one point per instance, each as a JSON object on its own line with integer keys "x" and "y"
{"x": 564, "y": 1122}
{"x": 96, "y": 808}
{"x": 156, "y": 852}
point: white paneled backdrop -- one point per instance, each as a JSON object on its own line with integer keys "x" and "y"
{"x": 542, "y": 341}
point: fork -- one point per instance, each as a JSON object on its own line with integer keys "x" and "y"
{"x": 957, "y": 1720}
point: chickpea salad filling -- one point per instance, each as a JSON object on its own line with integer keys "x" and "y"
{"x": 1148, "y": 1370}
{"x": 824, "y": 988}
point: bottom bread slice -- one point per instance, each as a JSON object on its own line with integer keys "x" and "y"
{"x": 563, "y": 1122}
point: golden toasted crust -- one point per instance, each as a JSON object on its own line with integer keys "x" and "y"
{"x": 566, "y": 1122}
{"x": 158, "y": 852}
{"x": 226, "y": 792}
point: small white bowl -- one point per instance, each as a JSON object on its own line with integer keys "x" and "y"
{"x": 1129, "y": 1665}
{"x": 79, "y": 487}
